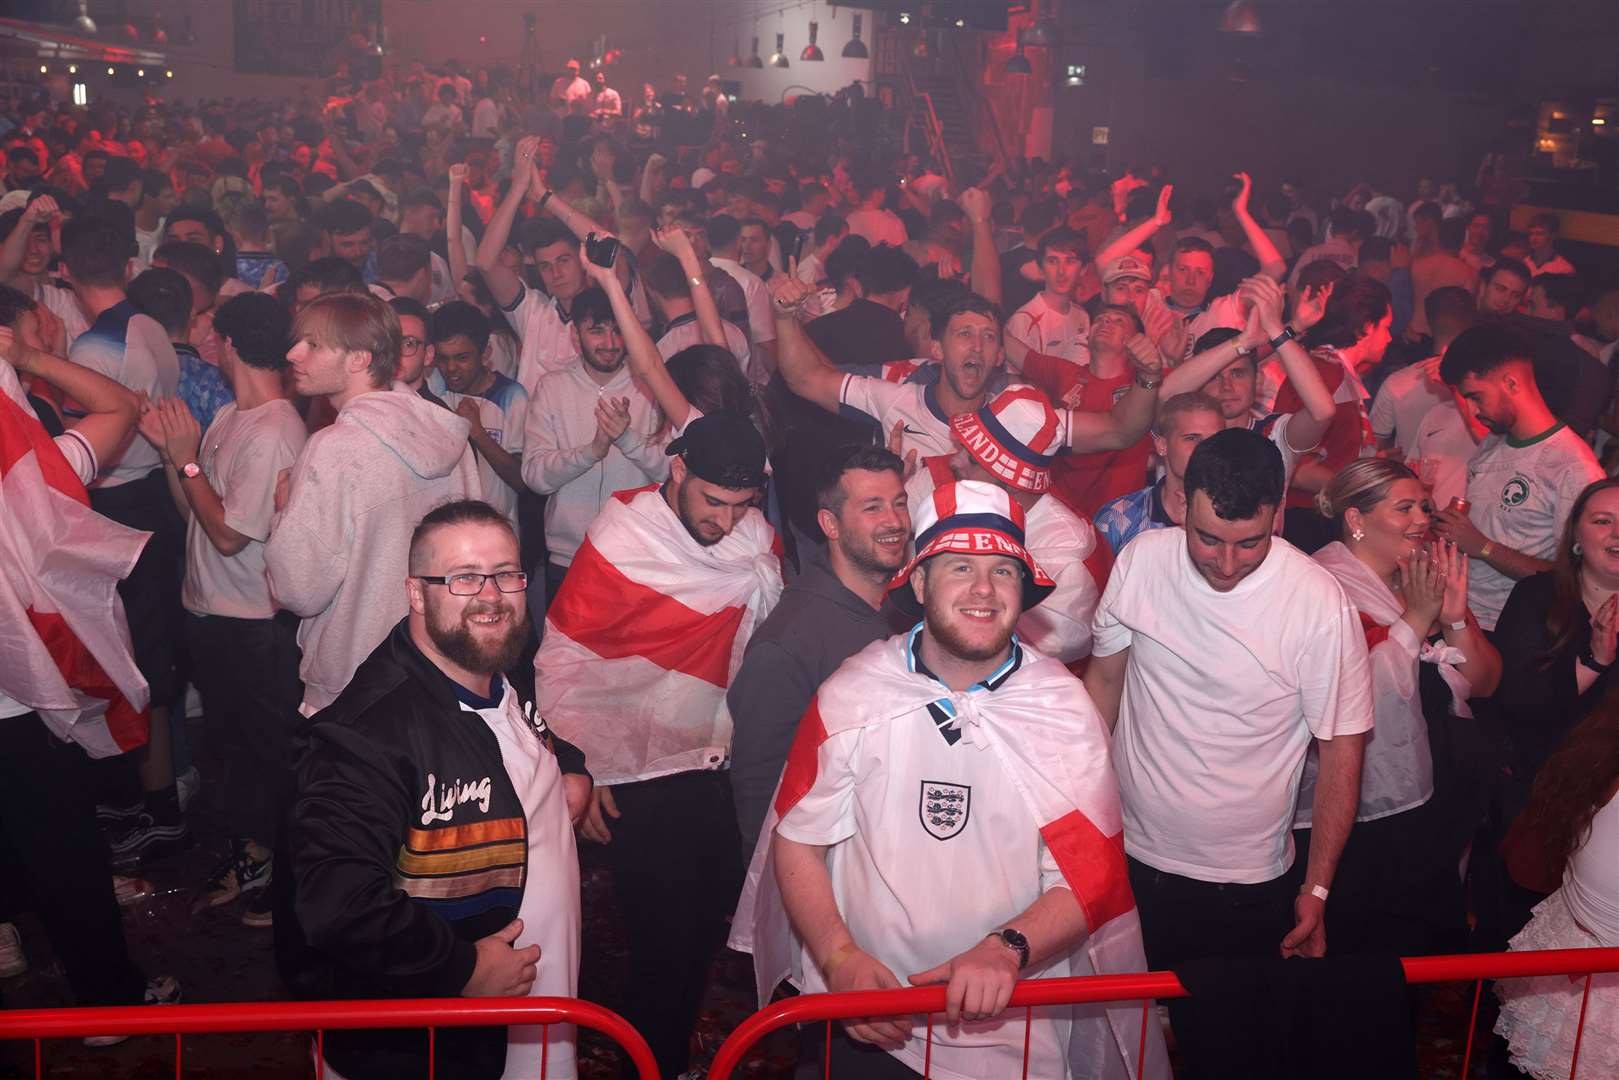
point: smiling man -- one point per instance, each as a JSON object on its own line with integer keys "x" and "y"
{"x": 640, "y": 643}
{"x": 431, "y": 849}
{"x": 1220, "y": 653}
{"x": 1052, "y": 323}
{"x": 338, "y": 544}
{"x": 922, "y": 834}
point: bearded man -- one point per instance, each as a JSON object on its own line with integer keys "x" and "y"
{"x": 430, "y": 850}
{"x": 641, "y": 642}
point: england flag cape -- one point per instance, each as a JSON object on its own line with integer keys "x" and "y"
{"x": 1053, "y": 746}
{"x": 63, "y": 636}
{"x": 643, "y": 638}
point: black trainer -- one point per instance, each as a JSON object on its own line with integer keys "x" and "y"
{"x": 237, "y": 873}
{"x": 148, "y": 840}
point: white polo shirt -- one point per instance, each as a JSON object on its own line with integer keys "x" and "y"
{"x": 1222, "y": 694}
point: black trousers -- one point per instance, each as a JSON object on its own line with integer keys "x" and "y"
{"x": 53, "y": 861}
{"x": 246, "y": 671}
{"x": 151, "y": 592}
{"x": 1183, "y": 919}
{"x": 676, "y": 873}
{"x": 850, "y": 1060}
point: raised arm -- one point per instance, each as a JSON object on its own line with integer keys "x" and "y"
{"x": 1129, "y": 419}
{"x": 709, "y": 323}
{"x": 453, "y": 247}
{"x": 112, "y": 409}
{"x": 652, "y": 178}
{"x": 1271, "y": 263}
{"x": 986, "y": 263}
{"x": 807, "y": 372}
{"x": 581, "y": 225}
{"x": 1304, "y": 431}
{"x": 646, "y": 363}
{"x": 504, "y": 285}
{"x": 1136, "y": 237}
{"x": 15, "y": 250}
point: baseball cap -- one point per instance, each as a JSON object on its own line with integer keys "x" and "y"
{"x": 723, "y": 448}
{"x": 972, "y": 518}
{"x": 702, "y": 176}
{"x": 1015, "y": 436}
{"x": 1125, "y": 266}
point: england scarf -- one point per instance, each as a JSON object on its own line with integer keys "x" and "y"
{"x": 643, "y": 638}
{"x": 62, "y": 628}
{"x": 1054, "y": 748}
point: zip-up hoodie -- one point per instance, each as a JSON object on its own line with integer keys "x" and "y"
{"x": 338, "y": 553}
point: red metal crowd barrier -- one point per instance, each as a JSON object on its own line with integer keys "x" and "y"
{"x": 320, "y": 1017}
{"x": 1475, "y": 968}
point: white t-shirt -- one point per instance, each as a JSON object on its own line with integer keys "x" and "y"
{"x": 1522, "y": 494}
{"x": 1403, "y": 401}
{"x": 1222, "y": 695}
{"x": 684, "y": 333}
{"x": 550, "y": 906}
{"x": 242, "y": 455}
{"x": 927, "y": 429}
{"x": 903, "y": 890}
{"x": 877, "y": 227}
{"x": 547, "y": 339}
{"x": 502, "y": 411}
{"x": 1044, "y": 329}
{"x": 761, "y": 325}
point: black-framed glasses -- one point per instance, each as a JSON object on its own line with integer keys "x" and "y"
{"x": 507, "y": 581}
{"x": 411, "y": 344}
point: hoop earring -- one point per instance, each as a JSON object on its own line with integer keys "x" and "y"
{"x": 1357, "y": 536}
{"x": 1577, "y": 548}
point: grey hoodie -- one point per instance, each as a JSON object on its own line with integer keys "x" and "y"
{"x": 337, "y": 554}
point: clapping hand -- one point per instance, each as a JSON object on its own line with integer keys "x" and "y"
{"x": 1311, "y": 306}
{"x": 1162, "y": 214}
{"x": 1605, "y": 631}
{"x": 1422, "y": 582}
{"x": 1452, "y": 563}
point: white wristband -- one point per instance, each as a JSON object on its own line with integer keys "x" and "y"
{"x": 1319, "y": 892}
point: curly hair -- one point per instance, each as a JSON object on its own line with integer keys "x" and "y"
{"x": 1576, "y": 782}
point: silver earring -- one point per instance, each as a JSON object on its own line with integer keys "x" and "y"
{"x": 1357, "y": 536}
{"x": 1576, "y": 547}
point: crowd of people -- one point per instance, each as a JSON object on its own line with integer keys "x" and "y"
{"x": 906, "y": 580}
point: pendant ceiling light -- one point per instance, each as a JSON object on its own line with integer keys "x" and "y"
{"x": 736, "y": 53}
{"x": 856, "y": 49}
{"x": 1019, "y": 64}
{"x": 1242, "y": 17}
{"x": 754, "y": 59}
{"x": 779, "y": 58}
{"x": 812, "y": 51}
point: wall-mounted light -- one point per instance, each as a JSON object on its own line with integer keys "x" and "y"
{"x": 1074, "y": 75}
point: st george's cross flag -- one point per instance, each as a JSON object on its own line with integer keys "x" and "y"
{"x": 645, "y": 635}
{"x": 63, "y": 634}
{"x": 1052, "y": 747}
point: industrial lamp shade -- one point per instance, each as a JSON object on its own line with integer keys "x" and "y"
{"x": 779, "y": 58}
{"x": 856, "y": 49}
{"x": 812, "y": 51}
{"x": 754, "y": 59}
{"x": 1019, "y": 64}
{"x": 1241, "y": 17}
{"x": 736, "y": 53}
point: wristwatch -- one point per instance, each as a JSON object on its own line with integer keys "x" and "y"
{"x": 1146, "y": 381}
{"x": 1591, "y": 662}
{"x": 1283, "y": 338}
{"x": 1015, "y": 941}
{"x": 190, "y": 470}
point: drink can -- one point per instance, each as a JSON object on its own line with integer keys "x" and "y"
{"x": 1460, "y": 505}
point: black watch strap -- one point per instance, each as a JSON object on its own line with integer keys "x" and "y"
{"x": 1283, "y": 338}
{"x": 1591, "y": 661}
{"x": 1014, "y": 940}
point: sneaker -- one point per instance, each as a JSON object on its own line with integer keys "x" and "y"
{"x": 238, "y": 873}
{"x": 116, "y": 816}
{"x": 186, "y": 786}
{"x": 130, "y": 890}
{"x": 258, "y": 912}
{"x": 163, "y": 990}
{"x": 147, "y": 840}
{"x": 13, "y": 961}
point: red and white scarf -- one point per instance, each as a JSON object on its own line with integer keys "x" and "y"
{"x": 645, "y": 635}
